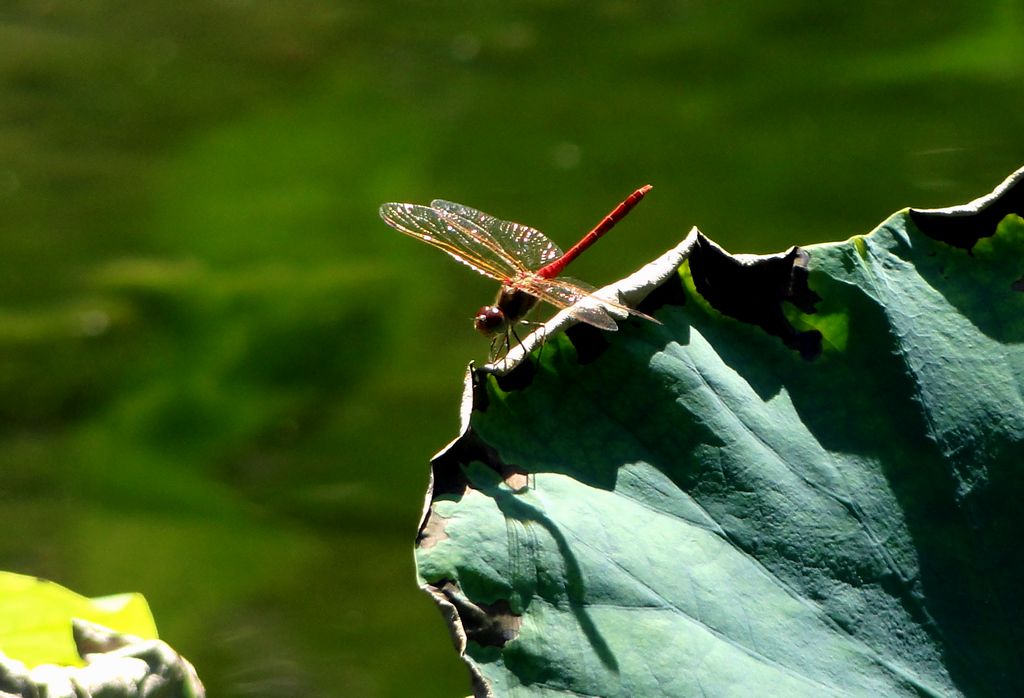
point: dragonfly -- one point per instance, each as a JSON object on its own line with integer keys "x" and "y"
{"x": 525, "y": 261}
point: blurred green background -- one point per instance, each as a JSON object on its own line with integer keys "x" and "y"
{"x": 222, "y": 376}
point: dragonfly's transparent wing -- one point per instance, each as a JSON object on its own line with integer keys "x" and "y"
{"x": 577, "y": 297}
{"x": 531, "y": 247}
{"x": 457, "y": 235}
{"x": 563, "y": 292}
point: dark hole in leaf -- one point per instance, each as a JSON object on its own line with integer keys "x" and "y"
{"x": 962, "y": 227}
{"x": 519, "y": 377}
{"x": 752, "y": 289}
{"x": 1018, "y": 285}
{"x": 588, "y": 340}
{"x": 489, "y": 625}
{"x": 669, "y": 293}
{"x": 449, "y": 478}
{"x": 480, "y": 397}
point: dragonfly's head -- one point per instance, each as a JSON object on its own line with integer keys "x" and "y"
{"x": 490, "y": 320}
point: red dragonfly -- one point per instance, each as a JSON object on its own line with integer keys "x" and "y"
{"x": 524, "y": 260}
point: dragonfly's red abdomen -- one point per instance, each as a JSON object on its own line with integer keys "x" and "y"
{"x": 607, "y": 223}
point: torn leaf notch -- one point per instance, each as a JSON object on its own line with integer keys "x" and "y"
{"x": 753, "y": 288}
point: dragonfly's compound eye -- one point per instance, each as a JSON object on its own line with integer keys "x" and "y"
{"x": 489, "y": 320}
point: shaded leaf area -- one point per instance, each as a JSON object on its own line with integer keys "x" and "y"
{"x": 705, "y": 512}
{"x": 964, "y": 226}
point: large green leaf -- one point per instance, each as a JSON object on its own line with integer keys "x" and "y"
{"x": 805, "y": 482}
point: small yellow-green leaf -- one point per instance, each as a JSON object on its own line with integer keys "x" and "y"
{"x": 36, "y": 614}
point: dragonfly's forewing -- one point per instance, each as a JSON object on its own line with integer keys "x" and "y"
{"x": 457, "y": 235}
{"x": 530, "y": 246}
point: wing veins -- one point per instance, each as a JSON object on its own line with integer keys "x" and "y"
{"x": 445, "y": 232}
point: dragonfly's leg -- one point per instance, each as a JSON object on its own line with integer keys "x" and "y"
{"x": 512, "y": 331}
{"x": 508, "y": 344}
{"x": 520, "y": 341}
{"x": 543, "y": 341}
{"x": 500, "y": 346}
{"x": 543, "y": 337}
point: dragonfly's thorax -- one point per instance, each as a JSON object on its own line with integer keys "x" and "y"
{"x": 511, "y": 306}
{"x": 514, "y": 303}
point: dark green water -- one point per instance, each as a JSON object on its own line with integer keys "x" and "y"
{"x": 221, "y": 376}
